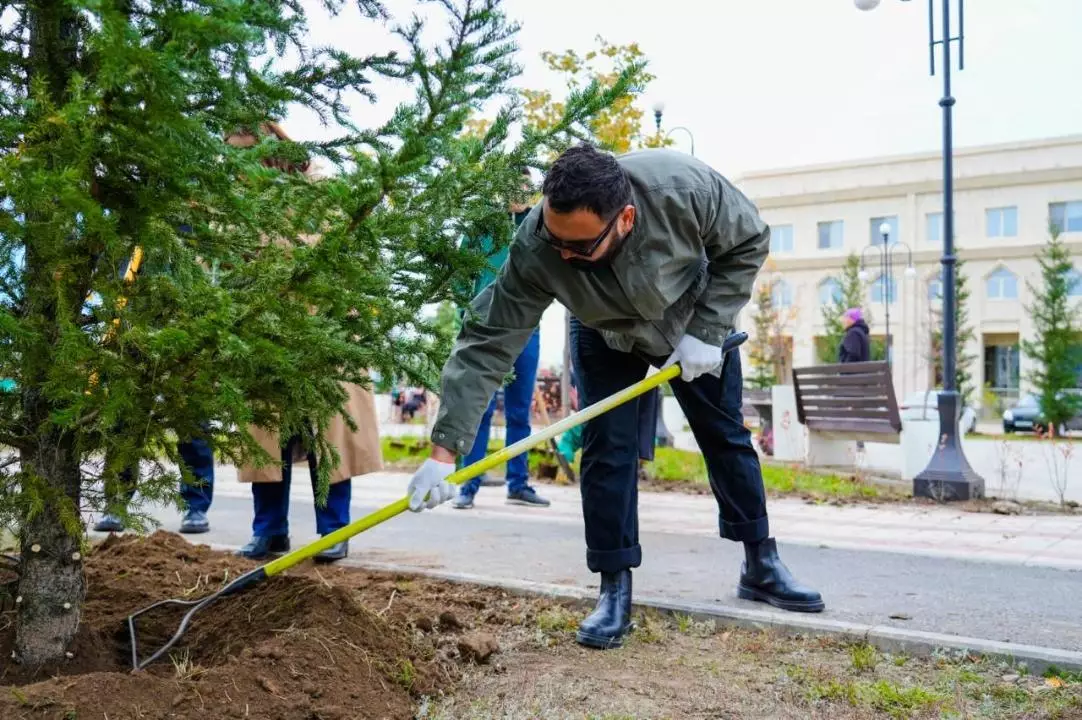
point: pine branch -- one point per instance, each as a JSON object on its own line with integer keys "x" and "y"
{"x": 235, "y": 317}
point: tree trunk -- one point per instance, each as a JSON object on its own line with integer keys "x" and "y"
{"x": 51, "y": 582}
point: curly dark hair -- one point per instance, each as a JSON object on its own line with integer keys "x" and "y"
{"x": 585, "y": 178}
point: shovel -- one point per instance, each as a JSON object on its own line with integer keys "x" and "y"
{"x": 280, "y": 565}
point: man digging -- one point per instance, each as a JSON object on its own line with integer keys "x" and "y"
{"x": 654, "y": 253}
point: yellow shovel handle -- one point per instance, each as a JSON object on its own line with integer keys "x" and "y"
{"x": 129, "y": 278}
{"x": 483, "y": 465}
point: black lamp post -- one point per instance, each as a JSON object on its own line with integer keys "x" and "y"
{"x": 659, "y": 108}
{"x": 886, "y": 251}
{"x": 948, "y": 475}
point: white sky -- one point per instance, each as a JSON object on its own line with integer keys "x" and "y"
{"x": 777, "y": 83}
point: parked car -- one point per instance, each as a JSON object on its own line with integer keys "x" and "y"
{"x": 1027, "y": 415}
{"x": 924, "y": 405}
{"x": 1023, "y": 415}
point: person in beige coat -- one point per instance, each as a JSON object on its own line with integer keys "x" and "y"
{"x": 359, "y": 453}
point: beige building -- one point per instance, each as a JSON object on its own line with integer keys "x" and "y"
{"x": 1005, "y": 198}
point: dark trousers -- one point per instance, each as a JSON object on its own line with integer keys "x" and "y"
{"x": 649, "y": 411}
{"x": 610, "y": 451}
{"x": 271, "y": 500}
{"x": 199, "y": 458}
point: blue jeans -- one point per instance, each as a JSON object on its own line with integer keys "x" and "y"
{"x": 271, "y": 500}
{"x": 199, "y": 458}
{"x": 611, "y": 446}
{"x": 517, "y": 398}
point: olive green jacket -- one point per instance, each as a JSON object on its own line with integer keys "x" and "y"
{"x": 688, "y": 266}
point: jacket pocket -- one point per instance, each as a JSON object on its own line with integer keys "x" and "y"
{"x": 674, "y": 322}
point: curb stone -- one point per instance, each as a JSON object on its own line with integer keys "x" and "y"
{"x": 918, "y": 643}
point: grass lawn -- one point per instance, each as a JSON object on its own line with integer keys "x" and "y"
{"x": 682, "y": 470}
{"x": 682, "y": 467}
{"x": 406, "y": 454}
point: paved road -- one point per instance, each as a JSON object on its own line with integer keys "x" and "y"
{"x": 983, "y": 576}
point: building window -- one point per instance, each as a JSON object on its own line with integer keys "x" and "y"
{"x": 934, "y": 227}
{"x": 1002, "y": 285}
{"x": 1074, "y": 283}
{"x": 1066, "y": 216}
{"x": 781, "y": 239}
{"x": 1001, "y": 222}
{"x": 830, "y": 291}
{"x": 884, "y": 290}
{"x": 877, "y": 237}
{"x": 935, "y": 290}
{"x": 830, "y": 235}
{"x": 782, "y": 294}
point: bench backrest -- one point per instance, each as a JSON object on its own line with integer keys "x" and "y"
{"x": 850, "y": 397}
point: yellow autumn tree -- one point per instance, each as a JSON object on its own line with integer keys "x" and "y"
{"x": 617, "y": 128}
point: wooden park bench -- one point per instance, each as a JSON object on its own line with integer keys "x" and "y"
{"x": 845, "y": 403}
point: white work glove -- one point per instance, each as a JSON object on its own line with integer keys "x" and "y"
{"x": 695, "y": 357}
{"x": 429, "y": 487}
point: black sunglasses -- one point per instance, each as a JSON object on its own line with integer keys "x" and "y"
{"x": 545, "y": 235}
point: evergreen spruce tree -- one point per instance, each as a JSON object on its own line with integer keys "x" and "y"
{"x": 851, "y": 294}
{"x": 963, "y": 333}
{"x": 1056, "y": 349}
{"x": 761, "y": 346}
{"x": 261, "y": 290}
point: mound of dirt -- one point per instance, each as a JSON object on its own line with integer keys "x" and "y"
{"x": 296, "y": 647}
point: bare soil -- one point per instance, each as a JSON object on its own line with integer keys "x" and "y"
{"x": 300, "y": 646}
{"x": 327, "y": 643}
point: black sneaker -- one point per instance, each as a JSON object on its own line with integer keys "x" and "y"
{"x": 109, "y": 523}
{"x": 527, "y": 496}
{"x": 338, "y": 551}
{"x": 195, "y": 522}
{"x": 260, "y": 546}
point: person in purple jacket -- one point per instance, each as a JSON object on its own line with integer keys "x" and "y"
{"x": 856, "y": 345}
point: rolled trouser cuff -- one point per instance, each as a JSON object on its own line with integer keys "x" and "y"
{"x": 748, "y": 531}
{"x": 610, "y": 561}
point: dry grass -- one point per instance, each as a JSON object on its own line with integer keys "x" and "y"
{"x": 675, "y": 667}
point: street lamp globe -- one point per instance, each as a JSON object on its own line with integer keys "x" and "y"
{"x": 884, "y": 229}
{"x": 658, "y": 107}
{"x": 862, "y": 275}
{"x": 910, "y": 272}
{"x": 866, "y": 4}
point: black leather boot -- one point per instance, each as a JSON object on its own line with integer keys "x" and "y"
{"x": 765, "y": 578}
{"x": 610, "y": 621}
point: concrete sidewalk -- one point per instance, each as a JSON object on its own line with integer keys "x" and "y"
{"x": 1049, "y": 541}
{"x": 997, "y": 578}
